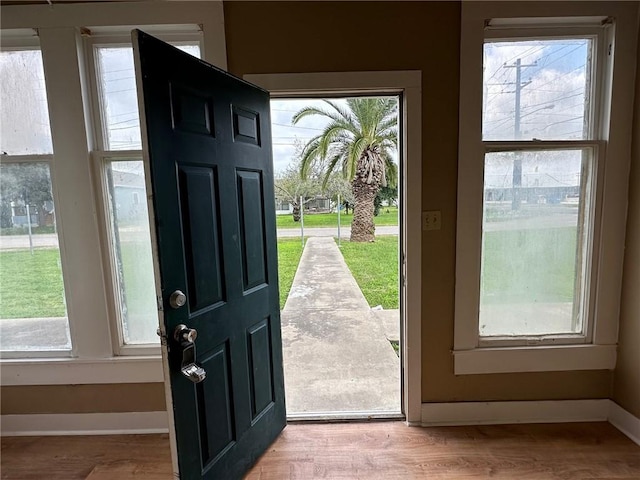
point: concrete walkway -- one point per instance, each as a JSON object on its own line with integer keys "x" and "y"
{"x": 337, "y": 358}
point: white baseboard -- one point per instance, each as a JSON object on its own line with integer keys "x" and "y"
{"x": 433, "y": 414}
{"x": 547, "y": 411}
{"x": 495, "y": 413}
{"x": 84, "y": 424}
{"x": 624, "y": 421}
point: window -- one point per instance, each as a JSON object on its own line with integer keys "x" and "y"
{"x": 117, "y": 90}
{"x": 105, "y": 301}
{"x": 537, "y": 211}
{"x": 121, "y": 171}
{"x": 130, "y": 241}
{"x": 534, "y": 239}
{"x": 33, "y": 315}
{"x": 548, "y": 81}
{"x": 536, "y": 146}
{"x": 25, "y": 115}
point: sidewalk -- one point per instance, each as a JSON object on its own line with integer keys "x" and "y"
{"x": 336, "y": 355}
{"x": 50, "y": 240}
{"x": 345, "y": 231}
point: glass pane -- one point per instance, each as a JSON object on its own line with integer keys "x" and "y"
{"x": 24, "y": 116}
{"x": 132, "y": 244}
{"x": 117, "y": 82}
{"x": 533, "y": 242}
{"x": 537, "y": 89}
{"x": 33, "y": 314}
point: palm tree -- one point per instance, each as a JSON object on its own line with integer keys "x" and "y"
{"x": 357, "y": 141}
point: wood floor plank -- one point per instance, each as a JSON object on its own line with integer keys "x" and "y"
{"x": 384, "y": 450}
{"x": 76, "y": 457}
{"x": 394, "y": 451}
{"x": 130, "y": 469}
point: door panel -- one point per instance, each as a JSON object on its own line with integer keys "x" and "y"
{"x": 203, "y": 256}
{"x": 215, "y": 405}
{"x": 208, "y": 143}
{"x": 251, "y": 229}
{"x": 261, "y": 378}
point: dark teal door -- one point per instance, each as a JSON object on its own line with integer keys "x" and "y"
{"x": 208, "y": 140}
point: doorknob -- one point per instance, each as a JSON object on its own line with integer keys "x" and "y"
{"x": 186, "y": 337}
{"x": 177, "y": 299}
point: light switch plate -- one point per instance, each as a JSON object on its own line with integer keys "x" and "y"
{"x": 431, "y": 220}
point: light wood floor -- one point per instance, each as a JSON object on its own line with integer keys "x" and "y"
{"x": 383, "y": 450}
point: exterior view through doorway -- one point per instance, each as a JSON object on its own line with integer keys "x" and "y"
{"x": 335, "y": 159}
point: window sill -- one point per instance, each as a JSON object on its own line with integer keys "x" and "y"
{"x": 74, "y": 371}
{"x": 534, "y": 359}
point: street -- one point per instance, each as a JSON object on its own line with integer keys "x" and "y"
{"x": 50, "y": 240}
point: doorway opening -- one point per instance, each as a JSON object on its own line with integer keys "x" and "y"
{"x": 337, "y": 159}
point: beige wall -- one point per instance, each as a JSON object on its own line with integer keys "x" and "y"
{"x": 274, "y": 37}
{"x": 124, "y": 397}
{"x": 626, "y": 386}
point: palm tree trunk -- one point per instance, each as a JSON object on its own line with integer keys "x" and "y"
{"x": 362, "y": 226}
{"x": 365, "y": 185}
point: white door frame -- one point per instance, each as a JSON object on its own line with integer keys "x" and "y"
{"x": 409, "y": 84}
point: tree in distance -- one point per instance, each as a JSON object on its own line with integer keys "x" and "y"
{"x": 357, "y": 141}
{"x": 24, "y": 184}
{"x": 337, "y": 187}
{"x": 290, "y": 187}
{"x": 386, "y": 194}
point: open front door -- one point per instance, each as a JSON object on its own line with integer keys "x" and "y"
{"x": 207, "y": 141}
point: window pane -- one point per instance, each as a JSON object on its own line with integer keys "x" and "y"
{"x": 537, "y": 89}
{"x": 132, "y": 244}
{"x": 33, "y": 315}
{"x": 24, "y": 117}
{"x": 533, "y": 242}
{"x": 119, "y": 100}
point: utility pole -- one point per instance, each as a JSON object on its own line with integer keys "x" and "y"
{"x": 517, "y": 161}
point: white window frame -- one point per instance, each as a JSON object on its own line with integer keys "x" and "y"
{"x": 596, "y": 349}
{"x": 95, "y": 38}
{"x": 16, "y": 40}
{"x": 95, "y": 357}
{"x": 48, "y": 159}
{"x": 600, "y": 63}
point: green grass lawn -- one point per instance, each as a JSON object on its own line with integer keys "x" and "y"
{"x": 524, "y": 265}
{"x": 375, "y": 268}
{"x": 529, "y": 265}
{"x": 38, "y": 278}
{"x": 289, "y": 253}
{"x": 31, "y": 285}
{"x": 331, "y": 219}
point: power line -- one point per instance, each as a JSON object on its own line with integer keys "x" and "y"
{"x": 295, "y": 126}
{"x": 546, "y": 63}
{"x": 555, "y": 100}
{"x": 513, "y": 58}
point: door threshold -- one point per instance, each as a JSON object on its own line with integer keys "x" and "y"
{"x": 343, "y": 417}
